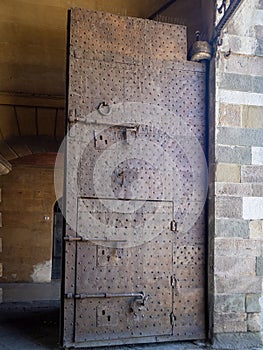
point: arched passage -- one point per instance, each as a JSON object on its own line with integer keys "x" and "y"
{"x": 27, "y": 229}
{"x": 57, "y": 241}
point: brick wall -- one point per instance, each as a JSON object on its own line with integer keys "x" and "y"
{"x": 236, "y": 232}
{"x": 28, "y": 198}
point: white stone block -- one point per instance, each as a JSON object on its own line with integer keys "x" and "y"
{"x": 258, "y": 17}
{"x": 239, "y": 44}
{"x": 245, "y": 18}
{"x": 256, "y": 229}
{"x": 239, "y": 97}
{"x": 253, "y": 208}
{"x": 257, "y": 155}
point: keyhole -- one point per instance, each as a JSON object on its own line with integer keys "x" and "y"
{"x": 120, "y": 252}
{"x": 108, "y": 318}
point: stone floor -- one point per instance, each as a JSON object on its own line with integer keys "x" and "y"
{"x": 28, "y": 326}
{"x": 25, "y": 326}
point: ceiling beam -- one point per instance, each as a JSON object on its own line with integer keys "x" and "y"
{"x": 5, "y": 166}
{"x": 32, "y": 100}
{"x": 162, "y": 9}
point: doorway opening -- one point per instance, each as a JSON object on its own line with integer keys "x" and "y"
{"x": 57, "y": 242}
{"x": 30, "y": 308}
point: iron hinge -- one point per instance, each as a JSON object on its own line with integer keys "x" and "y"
{"x": 173, "y": 226}
{"x": 172, "y": 319}
{"x": 74, "y": 296}
{"x": 73, "y": 239}
{"x": 173, "y": 281}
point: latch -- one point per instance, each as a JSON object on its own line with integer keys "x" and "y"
{"x": 131, "y": 133}
{"x": 173, "y": 226}
{"x": 139, "y": 304}
{"x": 143, "y": 300}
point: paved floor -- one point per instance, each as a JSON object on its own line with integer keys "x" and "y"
{"x": 29, "y": 326}
{"x": 36, "y": 327}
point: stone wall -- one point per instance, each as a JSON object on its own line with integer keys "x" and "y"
{"x": 26, "y": 232}
{"x": 236, "y": 200}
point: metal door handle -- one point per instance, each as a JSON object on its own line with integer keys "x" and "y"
{"x": 104, "y": 106}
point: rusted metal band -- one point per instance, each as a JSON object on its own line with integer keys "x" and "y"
{"x": 73, "y": 239}
{"x": 139, "y": 295}
{"x": 82, "y": 239}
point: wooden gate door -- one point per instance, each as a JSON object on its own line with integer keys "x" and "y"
{"x": 135, "y": 184}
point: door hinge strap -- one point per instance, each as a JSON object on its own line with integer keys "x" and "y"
{"x": 83, "y": 239}
{"x": 173, "y": 226}
{"x": 74, "y": 239}
{"x": 140, "y": 295}
{"x": 175, "y": 285}
{"x": 73, "y": 118}
{"x": 77, "y": 120}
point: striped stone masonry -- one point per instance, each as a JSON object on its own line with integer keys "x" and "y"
{"x": 257, "y": 155}
{"x": 237, "y": 232}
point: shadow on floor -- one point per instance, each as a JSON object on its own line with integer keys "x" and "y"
{"x": 33, "y": 326}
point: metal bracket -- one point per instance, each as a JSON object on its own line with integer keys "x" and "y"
{"x": 172, "y": 319}
{"x": 173, "y": 281}
{"x": 226, "y": 12}
{"x": 173, "y": 226}
{"x": 73, "y": 118}
{"x": 175, "y": 284}
{"x": 222, "y": 8}
{"x": 131, "y": 133}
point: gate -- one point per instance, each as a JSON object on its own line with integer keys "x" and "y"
{"x": 135, "y": 184}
